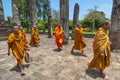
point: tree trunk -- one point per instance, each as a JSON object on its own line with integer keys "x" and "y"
{"x": 50, "y": 31}
{"x": 15, "y": 12}
{"x": 33, "y": 12}
{"x": 115, "y": 25}
{"x": 64, "y": 18}
{"x": 75, "y": 18}
{"x": 1, "y": 12}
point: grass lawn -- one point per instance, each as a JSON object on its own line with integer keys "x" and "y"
{"x": 70, "y": 31}
{"x": 89, "y": 32}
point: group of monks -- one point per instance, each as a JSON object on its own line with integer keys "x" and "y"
{"x": 18, "y": 43}
{"x": 101, "y": 44}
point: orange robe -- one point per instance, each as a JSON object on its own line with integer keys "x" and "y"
{"x": 59, "y": 36}
{"x": 101, "y": 48}
{"x": 17, "y": 46}
{"x": 35, "y": 40}
{"x": 24, "y": 38}
{"x": 79, "y": 42}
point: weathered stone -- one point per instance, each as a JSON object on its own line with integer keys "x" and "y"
{"x": 1, "y": 12}
{"x": 15, "y": 13}
{"x": 33, "y": 13}
{"x": 40, "y": 76}
{"x": 75, "y": 18}
{"x": 115, "y": 28}
{"x": 1, "y": 78}
{"x": 48, "y": 64}
{"x": 50, "y": 30}
{"x": 64, "y": 18}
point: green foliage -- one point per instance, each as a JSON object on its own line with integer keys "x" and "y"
{"x": 55, "y": 14}
{"x": 42, "y": 8}
{"x": 23, "y": 7}
{"x": 55, "y": 23}
{"x": 70, "y": 24}
{"x": 24, "y": 12}
{"x": 93, "y": 20}
{"x": 10, "y": 19}
{"x": 42, "y": 24}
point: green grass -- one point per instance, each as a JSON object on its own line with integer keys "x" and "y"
{"x": 70, "y": 31}
{"x": 89, "y": 32}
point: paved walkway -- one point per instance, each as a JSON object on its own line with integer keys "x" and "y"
{"x": 49, "y": 64}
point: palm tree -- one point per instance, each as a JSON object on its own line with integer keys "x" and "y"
{"x": 42, "y": 8}
{"x": 64, "y": 18}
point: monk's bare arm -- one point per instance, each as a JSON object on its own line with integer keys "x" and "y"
{"x": 9, "y": 46}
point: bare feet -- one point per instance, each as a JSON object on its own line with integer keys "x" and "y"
{"x": 72, "y": 51}
{"x": 83, "y": 54}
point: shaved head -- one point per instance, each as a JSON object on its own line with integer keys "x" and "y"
{"x": 15, "y": 29}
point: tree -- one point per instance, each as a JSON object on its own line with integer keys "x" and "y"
{"x": 64, "y": 18}
{"x": 1, "y": 11}
{"x": 24, "y": 13}
{"x": 15, "y": 12}
{"x": 23, "y": 8}
{"x": 55, "y": 14}
{"x": 55, "y": 18}
{"x": 75, "y": 18}
{"x": 115, "y": 25}
{"x": 94, "y": 19}
{"x": 10, "y": 20}
{"x": 33, "y": 13}
{"x": 42, "y": 9}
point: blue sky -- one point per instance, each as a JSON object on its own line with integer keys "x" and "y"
{"x": 103, "y": 5}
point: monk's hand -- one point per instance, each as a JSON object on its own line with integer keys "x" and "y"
{"x": 110, "y": 42}
{"x": 27, "y": 49}
{"x": 8, "y": 53}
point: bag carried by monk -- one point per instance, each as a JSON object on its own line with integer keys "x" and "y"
{"x": 26, "y": 57}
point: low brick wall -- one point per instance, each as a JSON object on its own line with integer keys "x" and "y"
{"x": 89, "y": 35}
{"x": 4, "y": 32}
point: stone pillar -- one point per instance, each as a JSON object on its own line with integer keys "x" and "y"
{"x": 33, "y": 13}
{"x": 1, "y": 12}
{"x": 64, "y": 18}
{"x": 15, "y": 12}
{"x": 50, "y": 30}
{"x": 75, "y": 18}
{"x": 115, "y": 25}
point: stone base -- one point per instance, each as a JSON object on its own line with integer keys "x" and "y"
{"x": 115, "y": 40}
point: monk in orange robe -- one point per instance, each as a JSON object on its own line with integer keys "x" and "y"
{"x": 101, "y": 48}
{"x": 16, "y": 44}
{"x": 22, "y": 31}
{"x": 35, "y": 40}
{"x": 59, "y": 36}
{"x": 79, "y": 42}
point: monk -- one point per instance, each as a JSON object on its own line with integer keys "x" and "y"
{"x": 101, "y": 48}
{"x": 22, "y": 31}
{"x": 59, "y": 36}
{"x": 35, "y": 40}
{"x": 79, "y": 42}
{"x": 16, "y": 44}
